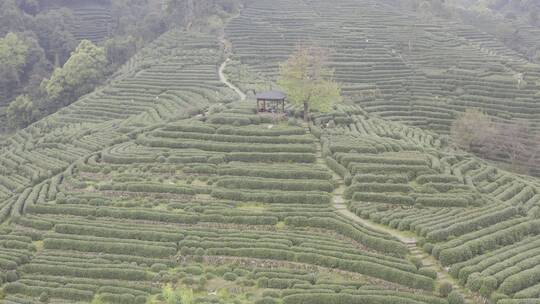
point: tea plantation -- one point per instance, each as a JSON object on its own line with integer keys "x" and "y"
{"x": 164, "y": 187}
{"x": 92, "y": 20}
{"x": 399, "y": 64}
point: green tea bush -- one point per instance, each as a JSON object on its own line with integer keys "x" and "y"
{"x": 274, "y": 184}
{"x": 116, "y": 248}
{"x": 455, "y": 298}
{"x": 278, "y": 157}
{"x": 445, "y": 289}
{"x": 266, "y": 300}
{"x": 520, "y": 281}
{"x": 268, "y": 172}
{"x": 230, "y": 276}
{"x": 488, "y": 242}
{"x": 383, "y": 198}
{"x": 86, "y": 272}
{"x": 276, "y": 197}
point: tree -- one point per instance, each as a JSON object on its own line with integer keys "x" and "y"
{"x": 13, "y": 56}
{"x": 83, "y": 71}
{"x": 11, "y": 17}
{"x": 534, "y": 157}
{"x": 471, "y": 129}
{"x": 53, "y": 31}
{"x": 21, "y": 112}
{"x": 513, "y": 141}
{"x": 119, "y": 50}
{"x": 308, "y": 81}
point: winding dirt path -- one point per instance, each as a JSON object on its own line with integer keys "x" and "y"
{"x": 224, "y": 80}
{"x": 416, "y": 251}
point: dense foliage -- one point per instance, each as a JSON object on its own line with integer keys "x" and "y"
{"x": 39, "y": 38}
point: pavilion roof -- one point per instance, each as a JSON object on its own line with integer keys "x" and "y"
{"x": 271, "y": 95}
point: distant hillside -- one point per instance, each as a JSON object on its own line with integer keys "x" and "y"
{"x": 93, "y": 19}
{"x": 516, "y": 23}
{"x": 47, "y": 37}
{"x": 406, "y": 65}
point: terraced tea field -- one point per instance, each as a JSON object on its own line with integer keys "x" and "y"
{"x": 165, "y": 185}
{"x": 470, "y": 216}
{"x": 224, "y": 188}
{"x": 421, "y": 71}
{"x": 92, "y": 21}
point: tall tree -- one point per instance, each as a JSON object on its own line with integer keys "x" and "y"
{"x": 53, "y": 31}
{"x": 308, "y": 81}
{"x": 473, "y": 128}
{"x": 11, "y": 17}
{"x": 13, "y": 56}
{"x": 83, "y": 71}
{"x": 21, "y": 112}
{"x": 513, "y": 142}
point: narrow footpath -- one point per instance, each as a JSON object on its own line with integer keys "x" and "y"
{"x": 224, "y": 80}
{"x": 227, "y": 50}
{"x": 410, "y": 241}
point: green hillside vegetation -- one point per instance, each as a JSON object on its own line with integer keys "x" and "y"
{"x": 53, "y": 52}
{"x": 516, "y": 23}
{"x": 405, "y": 65}
{"x": 160, "y": 184}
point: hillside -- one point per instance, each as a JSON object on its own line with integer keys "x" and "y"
{"x": 92, "y": 19}
{"x": 516, "y": 23}
{"x": 165, "y": 186}
{"x": 395, "y": 63}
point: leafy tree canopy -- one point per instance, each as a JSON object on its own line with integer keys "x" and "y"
{"x": 308, "y": 81}
{"x": 13, "y": 57}
{"x": 79, "y": 75}
{"x": 13, "y": 51}
{"x": 21, "y": 112}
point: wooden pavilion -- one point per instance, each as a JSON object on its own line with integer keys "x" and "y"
{"x": 271, "y": 101}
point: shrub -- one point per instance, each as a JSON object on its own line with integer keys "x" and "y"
{"x": 158, "y": 267}
{"x": 94, "y": 273}
{"x": 489, "y": 285}
{"x": 194, "y": 270}
{"x": 428, "y": 247}
{"x": 383, "y": 198}
{"x": 428, "y": 272}
{"x": 266, "y": 300}
{"x": 417, "y": 262}
{"x": 508, "y": 234}
{"x": 497, "y": 296}
{"x": 273, "y": 197}
{"x": 270, "y": 294}
{"x": 230, "y": 276}
{"x": 445, "y": 289}
{"x": 272, "y": 157}
{"x": 339, "y": 169}
{"x": 117, "y": 248}
{"x": 118, "y": 298}
{"x": 455, "y": 298}
{"x": 12, "y": 276}
{"x": 280, "y": 173}
{"x": 474, "y": 281}
{"x": 275, "y": 184}
{"x": 520, "y": 281}
{"x": 44, "y": 297}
